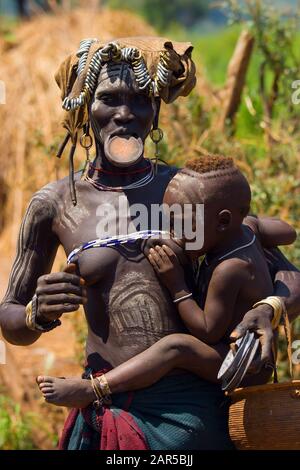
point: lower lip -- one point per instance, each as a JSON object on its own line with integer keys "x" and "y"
{"x": 123, "y": 150}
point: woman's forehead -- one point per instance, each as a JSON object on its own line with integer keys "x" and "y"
{"x": 115, "y": 76}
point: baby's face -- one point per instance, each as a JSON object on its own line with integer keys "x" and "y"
{"x": 196, "y": 223}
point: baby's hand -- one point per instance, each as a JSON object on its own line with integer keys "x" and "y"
{"x": 167, "y": 266}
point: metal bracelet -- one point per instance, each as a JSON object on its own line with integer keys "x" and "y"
{"x": 31, "y": 321}
{"x": 187, "y": 296}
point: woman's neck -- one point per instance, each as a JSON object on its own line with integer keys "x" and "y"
{"x": 103, "y": 171}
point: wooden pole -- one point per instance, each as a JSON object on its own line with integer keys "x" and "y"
{"x": 237, "y": 69}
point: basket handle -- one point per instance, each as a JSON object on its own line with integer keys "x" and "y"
{"x": 288, "y": 336}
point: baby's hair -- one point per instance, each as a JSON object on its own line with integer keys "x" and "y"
{"x": 231, "y": 183}
{"x": 210, "y": 162}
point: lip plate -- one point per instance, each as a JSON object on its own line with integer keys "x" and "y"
{"x": 134, "y": 158}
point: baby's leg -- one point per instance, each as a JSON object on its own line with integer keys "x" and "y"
{"x": 171, "y": 352}
{"x": 175, "y": 351}
{"x": 72, "y": 392}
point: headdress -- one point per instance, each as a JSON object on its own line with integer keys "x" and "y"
{"x": 162, "y": 68}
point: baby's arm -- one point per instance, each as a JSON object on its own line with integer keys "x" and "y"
{"x": 210, "y": 324}
{"x": 270, "y": 231}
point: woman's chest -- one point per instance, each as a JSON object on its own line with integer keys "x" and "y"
{"x": 85, "y": 230}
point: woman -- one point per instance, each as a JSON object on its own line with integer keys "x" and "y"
{"x": 116, "y": 89}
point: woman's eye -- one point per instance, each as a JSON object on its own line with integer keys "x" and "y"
{"x": 106, "y": 98}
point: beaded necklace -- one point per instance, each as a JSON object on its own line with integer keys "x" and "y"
{"x": 117, "y": 241}
{"x": 137, "y": 184}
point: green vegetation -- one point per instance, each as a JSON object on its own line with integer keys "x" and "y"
{"x": 272, "y": 169}
{"x": 163, "y": 14}
{"x": 16, "y": 428}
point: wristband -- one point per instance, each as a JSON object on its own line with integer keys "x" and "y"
{"x": 31, "y": 323}
{"x": 278, "y": 308}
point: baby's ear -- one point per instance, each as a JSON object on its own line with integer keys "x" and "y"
{"x": 224, "y": 220}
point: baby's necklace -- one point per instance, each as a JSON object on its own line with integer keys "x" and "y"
{"x": 234, "y": 251}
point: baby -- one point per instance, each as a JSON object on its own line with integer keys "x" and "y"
{"x": 233, "y": 276}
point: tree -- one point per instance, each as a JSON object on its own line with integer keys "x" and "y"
{"x": 161, "y": 13}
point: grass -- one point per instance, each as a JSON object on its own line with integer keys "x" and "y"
{"x": 16, "y": 428}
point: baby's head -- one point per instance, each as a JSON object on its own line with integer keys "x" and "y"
{"x": 214, "y": 181}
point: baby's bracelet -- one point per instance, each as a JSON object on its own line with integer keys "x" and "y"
{"x": 187, "y": 296}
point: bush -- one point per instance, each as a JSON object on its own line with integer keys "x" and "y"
{"x": 16, "y": 428}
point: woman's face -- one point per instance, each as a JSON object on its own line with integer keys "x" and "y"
{"x": 119, "y": 107}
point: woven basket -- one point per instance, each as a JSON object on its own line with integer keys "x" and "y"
{"x": 266, "y": 417}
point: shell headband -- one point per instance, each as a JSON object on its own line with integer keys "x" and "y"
{"x": 113, "y": 52}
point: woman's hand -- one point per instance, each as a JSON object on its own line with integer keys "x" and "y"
{"x": 258, "y": 320}
{"x": 58, "y": 293}
{"x": 167, "y": 266}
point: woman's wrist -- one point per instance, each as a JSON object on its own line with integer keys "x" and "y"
{"x": 31, "y": 318}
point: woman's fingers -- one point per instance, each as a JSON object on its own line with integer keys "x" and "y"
{"x": 54, "y": 311}
{"x": 61, "y": 288}
{"x": 56, "y": 299}
{"x": 64, "y": 277}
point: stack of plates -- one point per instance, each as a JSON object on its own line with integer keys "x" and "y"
{"x": 235, "y": 365}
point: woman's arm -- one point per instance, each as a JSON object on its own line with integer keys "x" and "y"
{"x": 36, "y": 250}
{"x": 287, "y": 286}
{"x": 286, "y": 281}
{"x": 270, "y": 231}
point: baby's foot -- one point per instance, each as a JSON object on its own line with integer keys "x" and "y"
{"x": 71, "y": 392}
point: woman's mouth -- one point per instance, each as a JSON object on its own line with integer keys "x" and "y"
{"x": 123, "y": 149}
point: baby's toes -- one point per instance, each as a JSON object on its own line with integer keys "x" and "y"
{"x": 46, "y": 389}
{"x": 48, "y": 379}
{"x": 39, "y": 379}
{"x": 49, "y": 397}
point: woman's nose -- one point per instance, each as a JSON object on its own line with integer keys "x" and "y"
{"x": 123, "y": 115}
